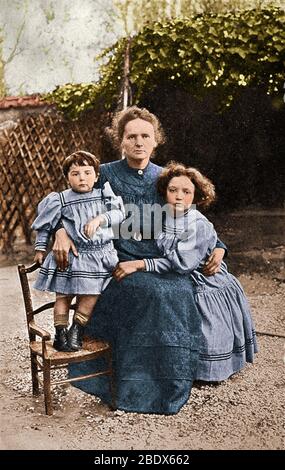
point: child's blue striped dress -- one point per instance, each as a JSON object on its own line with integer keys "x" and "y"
{"x": 228, "y": 335}
{"x": 91, "y": 271}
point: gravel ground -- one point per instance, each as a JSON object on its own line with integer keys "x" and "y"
{"x": 244, "y": 412}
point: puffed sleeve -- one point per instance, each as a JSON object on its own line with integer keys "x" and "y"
{"x": 114, "y": 207}
{"x": 192, "y": 249}
{"x": 48, "y": 216}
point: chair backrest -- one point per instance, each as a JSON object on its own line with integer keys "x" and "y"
{"x": 26, "y": 291}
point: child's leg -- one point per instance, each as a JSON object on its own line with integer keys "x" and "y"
{"x": 84, "y": 309}
{"x": 61, "y": 309}
{"x": 61, "y": 315}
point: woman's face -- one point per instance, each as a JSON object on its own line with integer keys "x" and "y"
{"x": 82, "y": 178}
{"x": 180, "y": 194}
{"x": 138, "y": 142}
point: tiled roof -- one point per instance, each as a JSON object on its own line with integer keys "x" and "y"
{"x": 21, "y": 101}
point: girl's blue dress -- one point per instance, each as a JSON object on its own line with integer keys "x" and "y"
{"x": 151, "y": 319}
{"x": 228, "y": 336}
{"x": 91, "y": 271}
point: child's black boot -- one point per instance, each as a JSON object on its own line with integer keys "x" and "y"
{"x": 75, "y": 335}
{"x": 61, "y": 339}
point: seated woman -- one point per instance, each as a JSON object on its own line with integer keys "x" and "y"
{"x": 151, "y": 319}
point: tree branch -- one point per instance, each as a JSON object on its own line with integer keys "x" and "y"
{"x": 14, "y": 53}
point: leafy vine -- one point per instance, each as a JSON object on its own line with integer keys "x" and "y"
{"x": 221, "y": 52}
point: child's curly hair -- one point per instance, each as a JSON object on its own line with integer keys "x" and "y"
{"x": 204, "y": 188}
{"x": 80, "y": 158}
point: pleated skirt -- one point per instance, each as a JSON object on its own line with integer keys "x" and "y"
{"x": 228, "y": 335}
{"x": 154, "y": 327}
{"x": 88, "y": 273}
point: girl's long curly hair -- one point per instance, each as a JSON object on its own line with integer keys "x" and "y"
{"x": 205, "y": 193}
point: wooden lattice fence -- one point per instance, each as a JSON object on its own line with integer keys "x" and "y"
{"x": 31, "y": 154}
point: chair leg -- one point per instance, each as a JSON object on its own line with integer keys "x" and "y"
{"x": 112, "y": 382}
{"x": 47, "y": 388}
{"x": 35, "y": 375}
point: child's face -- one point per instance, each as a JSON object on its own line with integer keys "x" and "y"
{"x": 180, "y": 193}
{"x": 82, "y": 178}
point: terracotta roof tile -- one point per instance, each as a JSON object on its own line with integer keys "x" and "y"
{"x": 21, "y": 101}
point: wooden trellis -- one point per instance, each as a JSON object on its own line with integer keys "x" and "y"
{"x": 30, "y": 167}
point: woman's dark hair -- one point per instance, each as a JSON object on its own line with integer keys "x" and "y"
{"x": 80, "y": 158}
{"x": 204, "y": 189}
{"x": 121, "y": 118}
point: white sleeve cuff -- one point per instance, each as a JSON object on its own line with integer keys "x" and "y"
{"x": 149, "y": 264}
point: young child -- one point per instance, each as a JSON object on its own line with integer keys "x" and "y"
{"x": 186, "y": 240}
{"x": 87, "y": 214}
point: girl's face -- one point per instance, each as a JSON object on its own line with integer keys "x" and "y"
{"x": 138, "y": 142}
{"x": 180, "y": 194}
{"x": 82, "y": 178}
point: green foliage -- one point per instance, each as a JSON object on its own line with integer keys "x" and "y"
{"x": 212, "y": 52}
{"x": 73, "y": 99}
{"x": 49, "y": 13}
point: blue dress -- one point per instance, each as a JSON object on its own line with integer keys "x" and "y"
{"x": 151, "y": 319}
{"x": 228, "y": 336}
{"x": 91, "y": 271}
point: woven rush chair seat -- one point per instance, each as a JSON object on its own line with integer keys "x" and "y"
{"x": 92, "y": 348}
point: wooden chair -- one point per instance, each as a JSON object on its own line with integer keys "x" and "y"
{"x": 44, "y": 358}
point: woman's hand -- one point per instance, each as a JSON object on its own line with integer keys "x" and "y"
{"x": 125, "y": 268}
{"x": 61, "y": 247}
{"x": 39, "y": 256}
{"x": 213, "y": 264}
{"x": 92, "y": 226}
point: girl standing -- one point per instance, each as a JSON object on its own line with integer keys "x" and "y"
{"x": 186, "y": 240}
{"x": 87, "y": 214}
